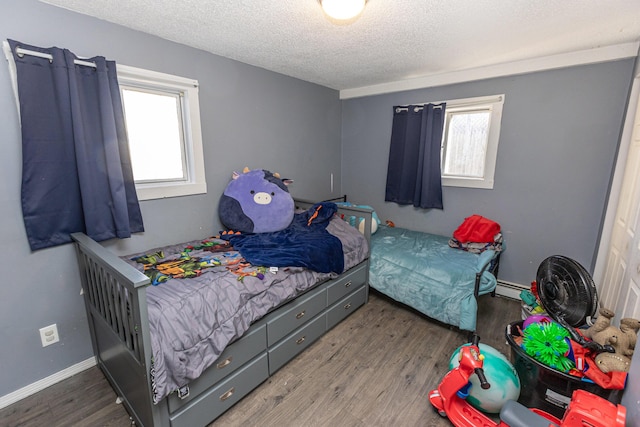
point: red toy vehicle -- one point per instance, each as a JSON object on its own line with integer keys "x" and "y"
{"x": 449, "y": 399}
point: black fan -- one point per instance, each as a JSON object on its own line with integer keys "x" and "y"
{"x": 568, "y": 294}
{"x": 566, "y": 289}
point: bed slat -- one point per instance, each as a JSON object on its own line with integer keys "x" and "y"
{"x": 111, "y": 294}
{"x": 110, "y": 300}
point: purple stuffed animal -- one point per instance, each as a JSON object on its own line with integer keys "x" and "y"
{"x": 256, "y": 201}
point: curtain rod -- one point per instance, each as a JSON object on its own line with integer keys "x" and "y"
{"x": 21, "y": 52}
{"x": 456, "y": 103}
{"x": 416, "y": 108}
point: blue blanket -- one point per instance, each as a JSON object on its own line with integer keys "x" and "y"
{"x": 305, "y": 243}
{"x": 422, "y": 271}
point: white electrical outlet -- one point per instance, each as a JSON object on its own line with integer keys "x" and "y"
{"x": 49, "y": 335}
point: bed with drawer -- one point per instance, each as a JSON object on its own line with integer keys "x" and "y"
{"x": 176, "y": 353}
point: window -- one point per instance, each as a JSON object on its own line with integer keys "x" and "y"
{"x": 163, "y": 125}
{"x": 470, "y": 141}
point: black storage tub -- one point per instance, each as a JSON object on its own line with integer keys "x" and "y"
{"x": 544, "y": 387}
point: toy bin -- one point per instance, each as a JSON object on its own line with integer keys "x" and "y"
{"x": 546, "y": 388}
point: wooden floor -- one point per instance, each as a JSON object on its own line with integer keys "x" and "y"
{"x": 376, "y": 368}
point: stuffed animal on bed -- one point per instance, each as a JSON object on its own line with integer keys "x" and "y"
{"x": 256, "y": 201}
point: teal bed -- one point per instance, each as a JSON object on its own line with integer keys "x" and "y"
{"x": 422, "y": 271}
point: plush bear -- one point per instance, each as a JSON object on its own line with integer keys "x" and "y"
{"x": 256, "y": 201}
{"x": 630, "y": 328}
{"x": 622, "y": 339}
{"x": 598, "y": 331}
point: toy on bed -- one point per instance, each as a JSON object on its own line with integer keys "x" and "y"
{"x": 256, "y": 201}
{"x": 258, "y": 205}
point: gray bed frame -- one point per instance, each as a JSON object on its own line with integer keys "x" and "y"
{"x": 116, "y": 305}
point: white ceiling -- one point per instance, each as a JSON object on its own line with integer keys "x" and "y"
{"x": 393, "y": 40}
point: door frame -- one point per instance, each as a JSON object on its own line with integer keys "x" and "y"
{"x": 616, "y": 184}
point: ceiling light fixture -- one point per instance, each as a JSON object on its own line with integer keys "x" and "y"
{"x": 343, "y": 10}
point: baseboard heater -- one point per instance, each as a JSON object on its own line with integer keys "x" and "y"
{"x": 510, "y": 289}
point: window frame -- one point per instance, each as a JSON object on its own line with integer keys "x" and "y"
{"x": 187, "y": 90}
{"x": 494, "y": 104}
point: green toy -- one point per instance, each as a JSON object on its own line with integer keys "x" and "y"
{"x": 547, "y": 343}
{"x": 527, "y": 297}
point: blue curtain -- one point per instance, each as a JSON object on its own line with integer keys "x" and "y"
{"x": 413, "y": 173}
{"x": 76, "y": 169}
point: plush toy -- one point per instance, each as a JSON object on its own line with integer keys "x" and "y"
{"x": 622, "y": 339}
{"x": 256, "y": 201}
{"x": 597, "y": 331}
{"x": 630, "y": 328}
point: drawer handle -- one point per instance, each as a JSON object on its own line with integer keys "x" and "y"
{"x": 225, "y": 362}
{"x": 347, "y": 306}
{"x": 228, "y": 394}
{"x": 301, "y": 314}
{"x": 346, "y": 285}
{"x": 300, "y": 340}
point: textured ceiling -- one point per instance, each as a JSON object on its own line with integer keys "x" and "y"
{"x": 393, "y": 40}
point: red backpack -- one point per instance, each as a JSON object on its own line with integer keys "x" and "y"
{"x": 477, "y": 229}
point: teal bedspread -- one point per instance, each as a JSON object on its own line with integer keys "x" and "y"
{"x": 422, "y": 271}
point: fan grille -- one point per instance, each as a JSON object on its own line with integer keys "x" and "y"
{"x": 566, "y": 290}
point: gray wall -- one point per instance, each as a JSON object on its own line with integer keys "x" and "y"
{"x": 250, "y": 117}
{"x": 558, "y": 141}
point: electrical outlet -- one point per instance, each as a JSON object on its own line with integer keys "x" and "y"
{"x": 49, "y": 335}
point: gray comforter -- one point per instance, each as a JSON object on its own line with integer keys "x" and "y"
{"x": 192, "y": 320}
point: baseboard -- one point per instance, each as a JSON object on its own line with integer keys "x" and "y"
{"x": 40, "y": 385}
{"x": 510, "y": 289}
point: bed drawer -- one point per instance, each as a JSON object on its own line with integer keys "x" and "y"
{"x": 295, "y": 343}
{"x": 347, "y": 284}
{"x": 213, "y": 403}
{"x": 295, "y": 314}
{"x": 345, "y": 307}
{"x": 233, "y": 357}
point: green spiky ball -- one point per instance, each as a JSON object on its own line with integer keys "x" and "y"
{"x": 546, "y": 342}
